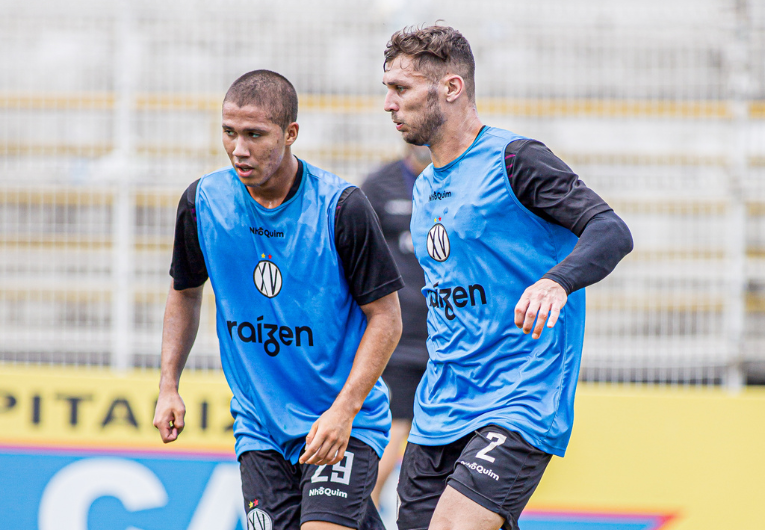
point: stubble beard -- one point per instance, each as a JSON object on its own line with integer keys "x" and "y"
{"x": 429, "y": 129}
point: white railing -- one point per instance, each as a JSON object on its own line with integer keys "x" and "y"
{"x": 109, "y": 110}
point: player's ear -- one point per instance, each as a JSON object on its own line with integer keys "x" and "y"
{"x": 454, "y": 86}
{"x": 291, "y": 133}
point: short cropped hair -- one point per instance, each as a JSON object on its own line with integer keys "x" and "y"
{"x": 268, "y": 90}
{"x": 436, "y": 50}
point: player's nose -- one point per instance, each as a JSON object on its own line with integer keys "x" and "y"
{"x": 390, "y": 105}
{"x": 240, "y": 149}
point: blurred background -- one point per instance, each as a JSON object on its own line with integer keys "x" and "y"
{"x": 108, "y": 110}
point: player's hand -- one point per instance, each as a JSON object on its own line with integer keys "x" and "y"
{"x": 542, "y": 300}
{"x": 169, "y": 414}
{"x": 328, "y": 438}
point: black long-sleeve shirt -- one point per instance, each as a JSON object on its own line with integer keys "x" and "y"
{"x": 546, "y": 186}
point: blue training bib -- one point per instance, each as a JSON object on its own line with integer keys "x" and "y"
{"x": 480, "y": 249}
{"x": 287, "y": 324}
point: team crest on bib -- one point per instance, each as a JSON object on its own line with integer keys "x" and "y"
{"x": 257, "y": 519}
{"x": 438, "y": 242}
{"x": 267, "y": 277}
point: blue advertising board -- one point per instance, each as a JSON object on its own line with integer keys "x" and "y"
{"x": 60, "y": 489}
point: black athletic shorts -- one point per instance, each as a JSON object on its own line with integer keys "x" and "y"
{"x": 402, "y": 380}
{"x": 279, "y": 495}
{"x": 493, "y": 467}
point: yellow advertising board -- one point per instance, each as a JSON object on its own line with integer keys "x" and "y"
{"x": 98, "y": 408}
{"x": 641, "y": 457}
{"x": 694, "y": 455}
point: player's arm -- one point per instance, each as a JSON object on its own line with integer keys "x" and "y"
{"x": 373, "y": 280}
{"x": 546, "y": 186}
{"x": 329, "y": 435}
{"x": 181, "y": 321}
{"x": 179, "y": 330}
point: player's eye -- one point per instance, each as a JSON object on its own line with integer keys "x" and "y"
{"x": 228, "y": 132}
{"x": 400, "y": 89}
{"x": 254, "y": 135}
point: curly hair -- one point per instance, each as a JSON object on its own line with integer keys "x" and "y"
{"x": 268, "y": 90}
{"x": 436, "y": 51}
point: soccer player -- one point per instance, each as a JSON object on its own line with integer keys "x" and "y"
{"x": 307, "y": 317}
{"x": 508, "y": 237}
{"x": 390, "y": 192}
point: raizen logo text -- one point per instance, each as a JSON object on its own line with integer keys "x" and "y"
{"x": 268, "y": 280}
{"x": 248, "y": 332}
{"x": 265, "y": 232}
{"x": 444, "y": 297}
{"x": 439, "y": 195}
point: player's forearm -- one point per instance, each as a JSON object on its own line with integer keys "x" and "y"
{"x": 179, "y": 330}
{"x": 377, "y": 344}
{"x": 604, "y": 242}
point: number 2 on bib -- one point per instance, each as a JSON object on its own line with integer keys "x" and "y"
{"x": 499, "y": 439}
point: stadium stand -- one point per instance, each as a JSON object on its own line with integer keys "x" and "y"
{"x": 110, "y": 109}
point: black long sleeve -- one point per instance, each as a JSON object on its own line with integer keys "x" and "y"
{"x": 546, "y": 186}
{"x": 603, "y": 243}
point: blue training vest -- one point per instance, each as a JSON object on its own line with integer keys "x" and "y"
{"x": 287, "y": 324}
{"x": 480, "y": 249}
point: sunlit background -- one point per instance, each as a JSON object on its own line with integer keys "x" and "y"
{"x": 108, "y": 110}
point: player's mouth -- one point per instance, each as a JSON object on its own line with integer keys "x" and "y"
{"x": 243, "y": 171}
{"x": 398, "y": 124}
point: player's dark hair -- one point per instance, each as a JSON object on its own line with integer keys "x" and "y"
{"x": 436, "y": 50}
{"x": 268, "y": 90}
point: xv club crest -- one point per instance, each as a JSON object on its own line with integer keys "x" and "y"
{"x": 267, "y": 278}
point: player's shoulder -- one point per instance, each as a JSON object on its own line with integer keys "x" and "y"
{"x": 214, "y": 186}
{"x": 511, "y": 145}
{"x": 502, "y": 135}
{"x": 218, "y": 177}
{"x": 492, "y": 143}
{"x": 322, "y": 177}
{"x": 533, "y": 152}
{"x": 189, "y": 195}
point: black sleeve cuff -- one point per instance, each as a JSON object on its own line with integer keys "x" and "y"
{"x": 384, "y": 290}
{"x": 560, "y": 280}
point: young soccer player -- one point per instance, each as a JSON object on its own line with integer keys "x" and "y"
{"x": 307, "y": 317}
{"x": 508, "y": 237}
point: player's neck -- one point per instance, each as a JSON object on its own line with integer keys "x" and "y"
{"x": 457, "y": 135}
{"x": 273, "y": 192}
